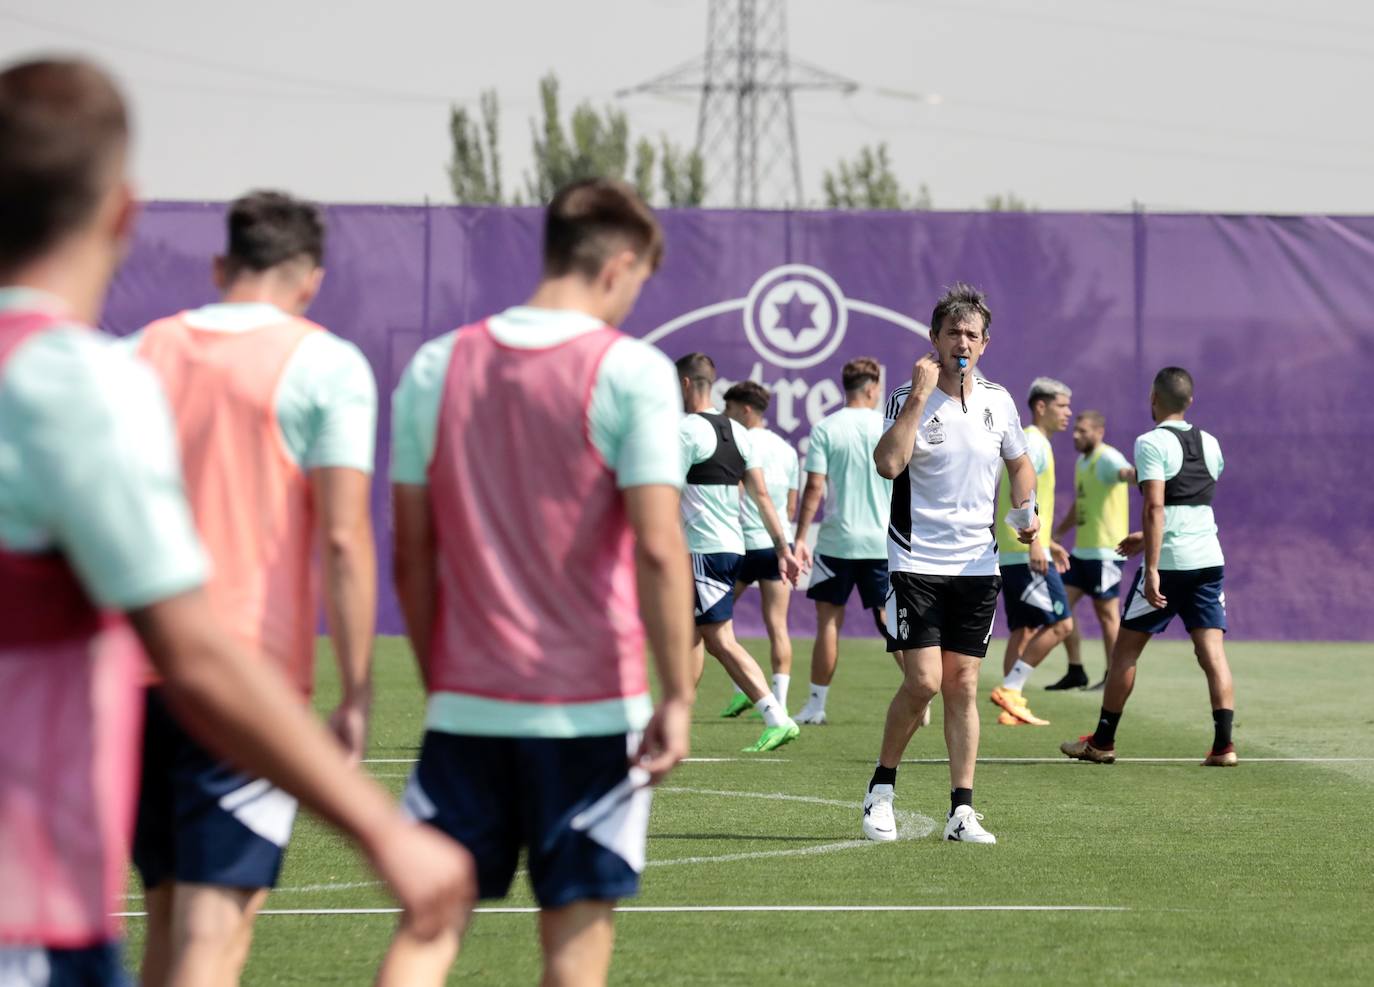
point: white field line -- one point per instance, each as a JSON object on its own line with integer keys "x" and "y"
{"x": 686, "y": 760}
{"x": 678, "y": 909}
{"x": 1061, "y": 759}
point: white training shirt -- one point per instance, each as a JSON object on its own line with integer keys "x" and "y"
{"x": 944, "y": 501}
{"x": 781, "y": 474}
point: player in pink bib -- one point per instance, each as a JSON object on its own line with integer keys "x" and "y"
{"x": 100, "y": 564}
{"x": 535, "y": 484}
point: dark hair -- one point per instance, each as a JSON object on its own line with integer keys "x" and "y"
{"x": 63, "y": 129}
{"x": 698, "y": 368}
{"x": 959, "y": 302}
{"x": 1173, "y": 387}
{"x": 271, "y": 228}
{"x": 859, "y": 371}
{"x": 590, "y": 220}
{"x": 749, "y": 392}
{"x": 1093, "y": 417}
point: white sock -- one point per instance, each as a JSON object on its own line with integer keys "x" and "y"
{"x": 1016, "y": 678}
{"x": 780, "y": 684}
{"x": 773, "y": 715}
{"x": 818, "y": 695}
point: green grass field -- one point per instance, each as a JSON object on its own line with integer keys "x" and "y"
{"x": 1262, "y": 874}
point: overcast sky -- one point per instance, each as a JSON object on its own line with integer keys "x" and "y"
{"x": 1217, "y": 105}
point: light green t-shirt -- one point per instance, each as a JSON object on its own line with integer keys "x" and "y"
{"x": 633, "y": 414}
{"x": 88, "y": 465}
{"x": 1190, "y": 530}
{"x": 711, "y": 512}
{"x": 632, "y": 419}
{"x": 326, "y": 401}
{"x": 781, "y": 474}
{"x": 858, "y": 501}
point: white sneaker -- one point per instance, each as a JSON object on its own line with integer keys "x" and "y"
{"x": 811, "y": 714}
{"x": 879, "y": 822}
{"x": 964, "y": 826}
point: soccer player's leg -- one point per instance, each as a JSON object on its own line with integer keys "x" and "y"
{"x": 914, "y": 612}
{"x": 965, "y": 635}
{"x": 577, "y": 941}
{"x": 832, "y": 582}
{"x": 716, "y": 626}
{"x": 1037, "y": 612}
{"x": 753, "y": 569}
{"x": 777, "y": 597}
{"x": 473, "y": 790}
{"x": 1074, "y": 677}
{"x": 1203, "y": 610}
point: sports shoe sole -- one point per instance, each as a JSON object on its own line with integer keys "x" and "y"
{"x": 1081, "y": 750}
{"x": 1022, "y": 713}
{"x": 1227, "y": 760}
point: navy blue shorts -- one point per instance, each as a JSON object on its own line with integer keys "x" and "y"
{"x": 1032, "y": 600}
{"x": 567, "y": 801}
{"x": 1197, "y": 595}
{"x": 1098, "y": 578}
{"x": 833, "y": 581}
{"x": 760, "y": 565}
{"x": 714, "y": 575}
{"x": 39, "y": 966}
{"x": 200, "y": 820}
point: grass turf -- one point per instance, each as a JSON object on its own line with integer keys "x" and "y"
{"x": 1260, "y": 874}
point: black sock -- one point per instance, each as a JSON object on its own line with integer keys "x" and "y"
{"x": 1104, "y": 737}
{"x": 960, "y": 796}
{"x": 883, "y": 776}
{"x": 1221, "y": 724}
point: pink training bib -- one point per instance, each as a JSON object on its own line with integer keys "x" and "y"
{"x": 537, "y": 599}
{"x": 70, "y": 724}
{"x": 251, "y": 501}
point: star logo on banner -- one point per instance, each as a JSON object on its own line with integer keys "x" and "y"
{"x": 795, "y": 316}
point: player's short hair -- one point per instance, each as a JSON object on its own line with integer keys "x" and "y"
{"x": 63, "y": 131}
{"x": 859, "y": 371}
{"x": 959, "y": 302}
{"x": 749, "y": 392}
{"x": 270, "y": 228}
{"x": 699, "y": 368}
{"x": 1093, "y": 417}
{"x": 1046, "y": 389}
{"x": 590, "y": 220}
{"x": 1173, "y": 387}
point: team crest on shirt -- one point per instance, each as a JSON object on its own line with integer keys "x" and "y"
{"x": 987, "y": 419}
{"x": 935, "y": 431}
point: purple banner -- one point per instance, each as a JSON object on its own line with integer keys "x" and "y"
{"x": 1272, "y": 315}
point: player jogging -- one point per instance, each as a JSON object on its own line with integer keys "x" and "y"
{"x": 1178, "y": 466}
{"x": 746, "y": 402}
{"x": 949, "y": 432}
{"x": 535, "y": 478}
{"x": 101, "y": 564}
{"x": 275, "y": 420}
{"x": 1033, "y": 595}
{"x": 1100, "y": 514}
{"x": 718, "y": 455}
{"x": 851, "y": 550}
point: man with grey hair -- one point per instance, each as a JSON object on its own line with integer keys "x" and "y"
{"x": 1033, "y": 596}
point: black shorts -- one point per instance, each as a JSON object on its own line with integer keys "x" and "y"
{"x": 760, "y": 565}
{"x": 833, "y": 580}
{"x": 950, "y": 612}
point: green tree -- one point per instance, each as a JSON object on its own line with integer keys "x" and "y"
{"x": 683, "y": 176}
{"x": 595, "y": 143}
{"x": 475, "y": 168}
{"x": 868, "y": 182}
{"x": 1010, "y": 202}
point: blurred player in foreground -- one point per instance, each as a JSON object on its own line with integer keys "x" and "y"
{"x": 1100, "y": 518}
{"x": 747, "y": 402}
{"x": 1033, "y": 595}
{"x": 275, "y": 420}
{"x": 1178, "y": 466}
{"x": 100, "y": 562}
{"x": 535, "y": 479}
{"x": 949, "y": 434}
{"x": 851, "y": 551}
{"x": 718, "y": 455}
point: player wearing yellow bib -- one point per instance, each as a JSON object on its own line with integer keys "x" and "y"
{"x": 1033, "y": 596}
{"x": 1101, "y": 513}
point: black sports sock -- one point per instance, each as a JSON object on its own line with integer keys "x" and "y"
{"x": 1104, "y": 737}
{"x": 1221, "y": 725}
{"x": 883, "y": 776}
{"x": 960, "y": 796}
